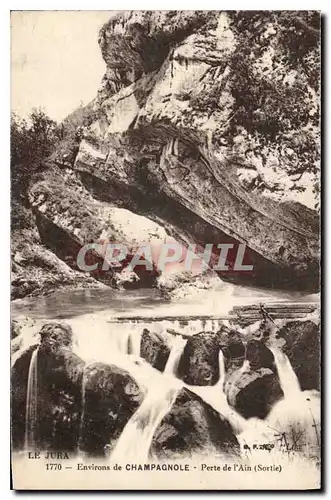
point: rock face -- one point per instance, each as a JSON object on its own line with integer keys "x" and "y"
{"x": 159, "y": 140}
{"x": 68, "y": 217}
{"x": 111, "y": 396}
{"x": 155, "y": 349}
{"x": 302, "y": 347}
{"x": 192, "y": 426}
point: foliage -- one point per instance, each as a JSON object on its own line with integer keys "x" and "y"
{"x": 32, "y": 141}
{"x": 275, "y": 83}
{"x": 265, "y": 93}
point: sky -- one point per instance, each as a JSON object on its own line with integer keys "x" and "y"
{"x": 56, "y": 62}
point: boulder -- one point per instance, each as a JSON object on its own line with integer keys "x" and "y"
{"x": 199, "y": 363}
{"x": 192, "y": 426}
{"x": 259, "y": 356}
{"x": 60, "y": 375}
{"x": 155, "y": 349}
{"x": 110, "y": 398}
{"x": 55, "y": 335}
{"x": 253, "y": 392}
{"x": 233, "y": 348}
{"x": 302, "y": 346}
{"x": 59, "y": 390}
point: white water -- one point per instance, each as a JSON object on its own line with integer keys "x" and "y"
{"x": 136, "y": 438}
{"x": 119, "y": 344}
{"x": 177, "y": 349}
{"x": 293, "y": 424}
{"x": 286, "y": 375}
{"x": 135, "y": 342}
{"x": 296, "y": 418}
{"x": 214, "y": 395}
{"x": 31, "y": 413}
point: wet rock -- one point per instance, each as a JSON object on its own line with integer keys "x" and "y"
{"x": 233, "y": 347}
{"x": 155, "y": 349}
{"x": 259, "y": 356}
{"x": 199, "y": 362}
{"x": 192, "y": 426}
{"x": 59, "y": 390}
{"x": 60, "y": 374}
{"x": 111, "y": 396}
{"x": 302, "y": 347}
{"x": 55, "y": 335}
{"x": 252, "y": 393}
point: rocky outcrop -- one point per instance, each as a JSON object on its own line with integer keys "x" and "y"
{"x": 60, "y": 374}
{"x": 155, "y": 348}
{"x": 192, "y": 426}
{"x": 110, "y": 397}
{"x": 302, "y": 346}
{"x": 233, "y": 348}
{"x": 154, "y": 140}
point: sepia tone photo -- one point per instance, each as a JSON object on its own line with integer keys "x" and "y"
{"x": 165, "y": 250}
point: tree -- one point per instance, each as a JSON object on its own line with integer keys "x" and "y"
{"x": 32, "y": 140}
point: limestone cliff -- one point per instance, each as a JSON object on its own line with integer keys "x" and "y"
{"x": 170, "y": 137}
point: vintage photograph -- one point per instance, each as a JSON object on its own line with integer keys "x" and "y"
{"x": 165, "y": 250}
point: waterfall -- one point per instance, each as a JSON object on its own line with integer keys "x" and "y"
{"x": 296, "y": 418}
{"x": 134, "y": 342}
{"x": 136, "y": 439}
{"x": 31, "y": 412}
{"x": 287, "y": 377}
{"x": 178, "y": 346}
{"x": 214, "y": 396}
{"x": 221, "y": 365}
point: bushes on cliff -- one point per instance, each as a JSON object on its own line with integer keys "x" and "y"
{"x": 32, "y": 140}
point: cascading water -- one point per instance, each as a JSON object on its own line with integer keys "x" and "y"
{"x": 214, "y": 395}
{"x": 120, "y": 344}
{"x": 31, "y": 412}
{"x": 286, "y": 375}
{"x": 136, "y": 438}
{"x": 177, "y": 349}
{"x": 296, "y": 418}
